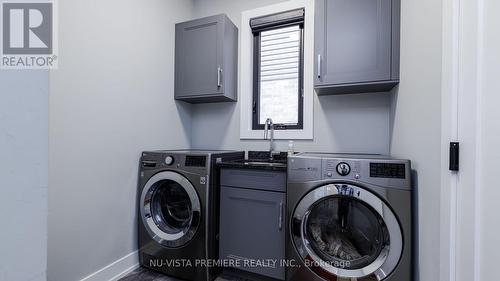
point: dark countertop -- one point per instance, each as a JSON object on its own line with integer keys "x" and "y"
{"x": 245, "y": 165}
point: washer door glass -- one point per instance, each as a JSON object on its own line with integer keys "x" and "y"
{"x": 346, "y": 232}
{"x": 171, "y": 207}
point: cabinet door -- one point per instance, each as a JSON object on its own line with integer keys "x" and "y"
{"x": 252, "y": 228}
{"x": 198, "y": 57}
{"x": 352, "y": 41}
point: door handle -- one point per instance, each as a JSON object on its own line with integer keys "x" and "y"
{"x": 280, "y": 221}
{"x": 219, "y": 77}
{"x": 319, "y": 66}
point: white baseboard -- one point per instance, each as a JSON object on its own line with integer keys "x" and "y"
{"x": 116, "y": 270}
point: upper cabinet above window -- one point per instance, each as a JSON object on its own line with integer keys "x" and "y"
{"x": 356, "y": 46}
{"x": 206, "y": 59}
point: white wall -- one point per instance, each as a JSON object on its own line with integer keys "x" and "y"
{"x": 23, "y": 174}
{"x": 351, "y": 123}
{"x": 416, "y": 119}
{"x": 110, "y": 99}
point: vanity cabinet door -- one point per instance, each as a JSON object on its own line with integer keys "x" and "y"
{"x": 252, "y": 227}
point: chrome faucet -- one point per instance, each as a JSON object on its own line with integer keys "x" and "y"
{"x": 269, "y": 126}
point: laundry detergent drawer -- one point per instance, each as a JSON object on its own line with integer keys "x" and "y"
{"x": 254, "y": 179}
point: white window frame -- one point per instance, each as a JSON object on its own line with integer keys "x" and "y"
{"x": 246, "y": 70}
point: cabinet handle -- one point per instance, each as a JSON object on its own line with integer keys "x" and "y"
{"x": 280, "y": 221}
{"x": 319, "y": 66}
{"x": 219, "y": 76}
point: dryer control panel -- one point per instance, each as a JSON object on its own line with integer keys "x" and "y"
{"x": 341, "y": 168}
{"x": 374, "y": 170}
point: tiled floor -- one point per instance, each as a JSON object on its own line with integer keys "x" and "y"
{"x": 142, "y": 274}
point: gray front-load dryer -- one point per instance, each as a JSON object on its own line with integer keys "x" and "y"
{"x": 350, "y": 218}
{"x": 178, "y": 218}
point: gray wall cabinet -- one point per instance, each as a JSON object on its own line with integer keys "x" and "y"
{"x": 252, "y": 222}
{"x": 206, "y": 60}
{"x": 356, "y": 46}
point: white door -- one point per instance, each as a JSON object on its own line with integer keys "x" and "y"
{"x": 470, "y": 238}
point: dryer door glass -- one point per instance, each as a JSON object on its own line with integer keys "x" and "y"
{"x": 171, "y": 207}
{"x": 346, "y": 232}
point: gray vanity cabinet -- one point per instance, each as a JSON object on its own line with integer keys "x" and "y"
{"x": 206, "y": 55}
{"x": 356, "y": 46}
{"x": 252, "y": 220}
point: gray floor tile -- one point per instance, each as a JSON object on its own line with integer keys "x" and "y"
{"x": 142, "y": 274}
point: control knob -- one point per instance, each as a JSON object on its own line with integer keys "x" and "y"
{"x": 169, "y": 160}
{"x": 343, "y": 169}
